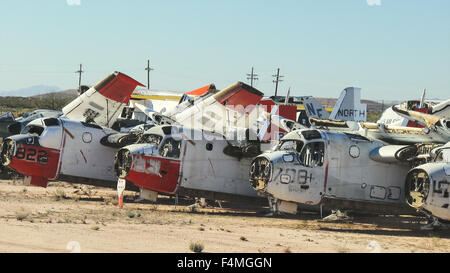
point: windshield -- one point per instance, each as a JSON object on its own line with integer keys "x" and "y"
{"x": 151, "y": 139}
{"x": 443, "y": 155}
{"x": 170, "y": 148}
{"x": 291, "y": 146}
{"x": 313, "y": 154}
{"x": 32, "y": 129}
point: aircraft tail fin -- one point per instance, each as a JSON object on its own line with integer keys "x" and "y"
{"x": 349, "y": 107}
{"x": 314, "y": 109}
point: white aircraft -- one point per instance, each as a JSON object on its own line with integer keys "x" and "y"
{"x": 392, "y": 118}
{"x": 343, "y": 170}
{"x": 348, "y": 107}
{"x": 207, "y": 150}
{"x": 428, "y": 186}
{"x": 70, "y": 148}
{"x": 350, "y": 171}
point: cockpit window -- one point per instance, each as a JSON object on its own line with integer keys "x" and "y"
{"x": 291, "y": 146}
{"x": 51, "y": 122}
{"x": 310, "y": 135}
{"x": 33, "y": 129}
{"x": 443, "y": 155}
{"x": 152, "y": 139}
{"x": 313, "y": 154}
{"x": 170, "y": 148}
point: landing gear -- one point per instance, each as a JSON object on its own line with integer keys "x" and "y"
{"x": 278, "y": 207}
{"x": 434, "y": 224}
{"x": 273, "y": 204}
{"x": 337, "y": 216}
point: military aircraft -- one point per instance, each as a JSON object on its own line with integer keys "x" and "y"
{"x": 203, "y": 148}
{"x": 214, "y": 134}
{"x": 334, "y": 169}
{"x": 427, "y": 187}
{"x": 6, "y": 119}
{"x": 348, "y": 107}
{"x": 12, "y": 126}
{"x": 427, "y": 184}
{"x": 69, "y": 148}
{"x": 392, "y": 118}
{"x": 350, "y": 170}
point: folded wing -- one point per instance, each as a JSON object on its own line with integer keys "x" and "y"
{"x": 104, "y": 102}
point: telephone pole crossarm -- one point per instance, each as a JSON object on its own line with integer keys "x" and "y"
{"x": 277, "y": 80}
{"x": 79, "y": 77}
{"x": 252, "y": 77}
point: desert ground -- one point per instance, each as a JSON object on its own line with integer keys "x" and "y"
{"x": 77, "y": 218}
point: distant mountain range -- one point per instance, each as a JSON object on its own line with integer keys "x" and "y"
{"x": 30, "y": 91}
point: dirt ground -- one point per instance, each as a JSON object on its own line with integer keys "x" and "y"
{"x": 75, "y": 218}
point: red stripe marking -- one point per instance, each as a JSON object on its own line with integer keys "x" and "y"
{"x": 212, "y": 167}
{"x": 85, "y": 160}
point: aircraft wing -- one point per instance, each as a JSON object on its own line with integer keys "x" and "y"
{"x": 442, "y": 109}
{"x": 203, "y": 90}
{"x": 421, "y": 118}
{"x": 104, "y": 102}
{"x": 221, "y": 111}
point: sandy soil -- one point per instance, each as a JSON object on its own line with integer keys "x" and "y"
{"x": 66, "y": 218}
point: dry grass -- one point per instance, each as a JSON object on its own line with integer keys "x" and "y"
{"x": 59, "y": 194}
{"x": 196, "y": 247}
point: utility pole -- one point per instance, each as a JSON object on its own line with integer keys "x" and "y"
{"x": 277, "y": 80}
{"x": 79, "y": 77}
{"x": 148, "y": 69}
{"x": 252, "y": 77}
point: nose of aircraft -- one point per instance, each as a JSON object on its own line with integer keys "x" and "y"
{"x": 122, "y": 162}
{"x": 260, "y": 173}
{"x": 7, "y": 152}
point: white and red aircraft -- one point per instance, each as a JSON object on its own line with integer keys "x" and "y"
{"x": 70, "y": 148}
{"x": 205, "y": 149}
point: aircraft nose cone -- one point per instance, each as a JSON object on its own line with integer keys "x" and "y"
{"x": 122, "y": 163}
{"x": 260, "y": 173}
{"x": 7, "y": 152}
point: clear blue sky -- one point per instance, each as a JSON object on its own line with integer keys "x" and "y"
{"x": 392, "y": 51}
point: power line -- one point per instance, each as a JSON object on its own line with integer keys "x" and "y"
{"x": 252, "y": 77}
{"x": 148, "y": 69}
{"x": 79, "y": 77}
{"x": 277, "y": 80}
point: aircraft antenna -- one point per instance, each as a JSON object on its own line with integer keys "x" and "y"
{"x": 252, "y": 77}
{"x": 277, "y": 80}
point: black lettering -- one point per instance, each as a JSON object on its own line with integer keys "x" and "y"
{"x": 42, "y": 157}
{"x": 20, "y": 154}
{"x": 31, "y": 153}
